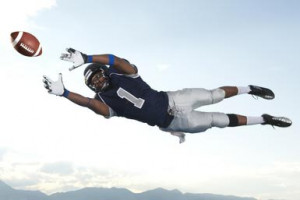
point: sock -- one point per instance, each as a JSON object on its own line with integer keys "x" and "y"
{"x": 233, "y": 120}
{"x": 243, "y": 90}
{"x": 255, "y": 120}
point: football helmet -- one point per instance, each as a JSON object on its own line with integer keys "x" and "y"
{"x": 90, "y": 71}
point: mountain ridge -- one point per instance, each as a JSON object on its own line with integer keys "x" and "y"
{"x": 99, "y": 193}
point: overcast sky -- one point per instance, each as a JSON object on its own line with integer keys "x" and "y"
{"x": 52, "y": 145}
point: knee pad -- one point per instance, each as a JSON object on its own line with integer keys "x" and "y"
{"x": 219, "y": 120}
{"x": 233, "y": 120}
{"x": 217, "y": 95}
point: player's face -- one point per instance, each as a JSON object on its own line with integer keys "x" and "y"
{"x": 98, "y": 80}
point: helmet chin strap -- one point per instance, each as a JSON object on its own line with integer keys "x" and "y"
{"x": 105, "y": 85}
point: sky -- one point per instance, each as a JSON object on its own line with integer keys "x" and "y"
{"x": 49, "y": 144}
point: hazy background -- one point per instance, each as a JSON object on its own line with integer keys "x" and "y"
{"x": 52, "y": 145}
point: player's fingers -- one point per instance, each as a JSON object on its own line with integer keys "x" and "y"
{"x": 60, "y": 77}
{"x": 48, "y": 80}
{"x": 65, "y": 55}
{"x": 71, "y": 50}
{"x": 67, "y": 59}
{"x": 45, "y": 82}
{"x": 46, "y": 86}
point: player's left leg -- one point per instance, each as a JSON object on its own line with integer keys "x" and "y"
{"x": 201, "y": 121}
{"x": 196, "y": 121}
{"x": 265, "y": 119}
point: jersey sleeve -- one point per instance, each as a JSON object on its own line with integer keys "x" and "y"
{"x": 133, "y": 66}
{"x": 111, "y": 111}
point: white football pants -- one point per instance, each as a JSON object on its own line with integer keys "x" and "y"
{"x": 182, "y": 104}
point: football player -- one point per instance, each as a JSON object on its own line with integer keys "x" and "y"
{"x": 120, "y": 91}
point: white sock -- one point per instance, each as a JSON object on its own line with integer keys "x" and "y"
{"x": 255, "y": 120}
{"x": 243, "y": 90}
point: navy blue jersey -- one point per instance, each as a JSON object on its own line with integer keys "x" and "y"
{"x": 129, "y": 96}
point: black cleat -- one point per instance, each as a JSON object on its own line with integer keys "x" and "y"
{"x": 276, "y": 121}
{"x": 261, "y": 92}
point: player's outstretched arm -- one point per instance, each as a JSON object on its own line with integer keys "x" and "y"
{"x": 93, "y": 104}
{"x": 57, "y": 88}
{"x": 78, "y": 59}
{"x": 120, "y": 64}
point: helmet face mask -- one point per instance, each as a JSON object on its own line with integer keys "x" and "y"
{"x": 99, "y": 81}
{"x": 99, "y": 70}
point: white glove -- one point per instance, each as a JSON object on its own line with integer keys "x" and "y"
{"x": 56, "y": 87}
{"x": 181, "y": 136}
{"x": 74, "y": 56}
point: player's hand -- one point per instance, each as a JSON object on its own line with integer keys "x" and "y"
{"x": 180, "y": 135}
{"x": 74, "y": 56}
{"x": 54, "y": 87}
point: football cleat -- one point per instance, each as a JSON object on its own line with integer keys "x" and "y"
{"x": 261, "y": 92}
{"x": 276, "y": 121}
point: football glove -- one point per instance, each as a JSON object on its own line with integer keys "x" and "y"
{"x": 74, "y": 56}
{"x": 54, "y": 87}
{"x": 180, "y": 135}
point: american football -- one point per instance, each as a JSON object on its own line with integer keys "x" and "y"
{"x": 26, "y": 43}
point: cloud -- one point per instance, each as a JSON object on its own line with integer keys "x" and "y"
{"x": 18, "y": 15}
{"x": 22, "y": 183}
{"x": 277, "y": 180}
{"x": 2, "y": 153}
{"x": 60, "y": 168}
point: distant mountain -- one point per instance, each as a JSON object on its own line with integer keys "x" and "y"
{"x": 8, "y": 193}
{"x": 162, "y": 194}
{"x": 95, "y": 194}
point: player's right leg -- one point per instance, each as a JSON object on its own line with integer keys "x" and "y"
{"x": 192, "y": 98}
{"x": 262, "y": 92}
{"x": 258, "y": 91}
